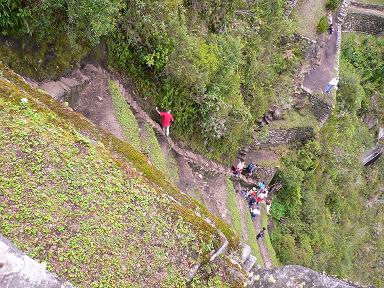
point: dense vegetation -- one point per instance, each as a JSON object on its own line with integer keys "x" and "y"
{"x": 217, "y": 64}
{"x": 326, "y": 215}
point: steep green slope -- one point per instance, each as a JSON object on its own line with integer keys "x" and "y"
{"x": 90, "y": 205}
{"x": 329, "y": 215}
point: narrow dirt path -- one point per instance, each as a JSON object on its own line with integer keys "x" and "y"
{"x": 95, "y": 103}
{"x": 316, "y": 79}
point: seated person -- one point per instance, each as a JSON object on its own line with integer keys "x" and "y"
{"x": 238, "y": 167}
{"x": 251, "y": 168}
{"x": 252, "y": 193}
{"x": 261, "y": 185}
{"x": 261, "y": 196}
{"x": 254, "y": 211}
{"x": 251, "y": 201}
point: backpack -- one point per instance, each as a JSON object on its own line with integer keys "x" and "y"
{"x": 251, "y": 167}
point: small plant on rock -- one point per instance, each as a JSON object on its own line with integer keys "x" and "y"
{"x": 323, "y": 25}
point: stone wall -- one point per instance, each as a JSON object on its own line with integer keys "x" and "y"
{"x": 366, "y": 18}
{"x": 321, "y": 109}
{"x": 291, "y": 4}
{"x": 361, "y": 22}
{"x": 287, "y": 136}
{"x": 368, "y": 6}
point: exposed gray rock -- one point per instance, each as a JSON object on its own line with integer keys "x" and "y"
{"x": 371, "y": 121}
{"x": 277, "y": 114}
{"x": 245, "y": 253}
{"x": 17, "y": 270}
{"x": 295, "y": 276}
{"x": 251, "y": 261}
{"x": 69, "y": 82}
{"x": 54, "y": 89}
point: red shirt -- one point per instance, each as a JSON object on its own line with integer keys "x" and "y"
{"x": 166, "y": 119}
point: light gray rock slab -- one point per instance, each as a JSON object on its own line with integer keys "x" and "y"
{"x": 18, "y": 270}
{"x": 245, "y": 253}
{"x": 295, "y": 276}
{"x": 54, "y": 89}
{"x": 70, "y": 82}
{"x": 251, "y": 261}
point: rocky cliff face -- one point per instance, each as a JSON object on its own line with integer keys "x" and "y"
{"x": 296, "y": 276}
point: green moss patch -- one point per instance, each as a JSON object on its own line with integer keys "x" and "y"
{"x": 42, "y": 61}
{"x": 267, "y": 239}
{"x": 152, "y": 148}
{"x": 234, "y": 210}
{"x": 252, "y": 242}
{"x": 125, "y": 116}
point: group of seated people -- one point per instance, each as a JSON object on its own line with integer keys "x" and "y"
{"x": 238, "y": 167}
{"x": 255, "y": 196}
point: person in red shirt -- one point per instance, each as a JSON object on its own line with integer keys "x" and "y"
{"x": 166, "y": 118}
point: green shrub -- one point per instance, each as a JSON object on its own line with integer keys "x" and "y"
{"x": 332, "y": 4}
{"x": 323, "y": 25}
{"x": 205, "y": 77}
{"x": 13, "y": 17}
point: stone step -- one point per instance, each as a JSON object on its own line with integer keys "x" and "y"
{"x": 246, "y": 251}
{"x": 79, "y": 76}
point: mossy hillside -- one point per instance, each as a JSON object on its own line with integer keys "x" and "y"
{"x": 267, "y": 239}
{"x": 151, "y": 147}
{"x": 125, "y": 116}
{"x": 67, "y": 203}
{"x": 234, "y": 210}
{"x": 122, "y": 150}
{"x": 61, "y": 191}
{"x": 41, "y": 61}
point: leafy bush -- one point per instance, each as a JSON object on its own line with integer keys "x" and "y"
{"x": 217, "y": 84}
{"x": 13, "y": 17}
{"x": 323, "y": 24}
{"x": 332, "y": 4}
{"x": 351, "y": 93}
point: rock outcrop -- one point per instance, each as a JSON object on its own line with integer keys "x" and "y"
{"x": 17, "y": 270}
{"x": 296, "y": 276}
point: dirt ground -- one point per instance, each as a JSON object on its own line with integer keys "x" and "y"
{"x": 317, "y": 79}
{"x": 95, "y": 103}
{"x": 308, "y": 14}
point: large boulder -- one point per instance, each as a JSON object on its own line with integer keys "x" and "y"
{"x": 295, "y": 276}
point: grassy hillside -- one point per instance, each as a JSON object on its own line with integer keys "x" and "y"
{"x": 90, "y": 206}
